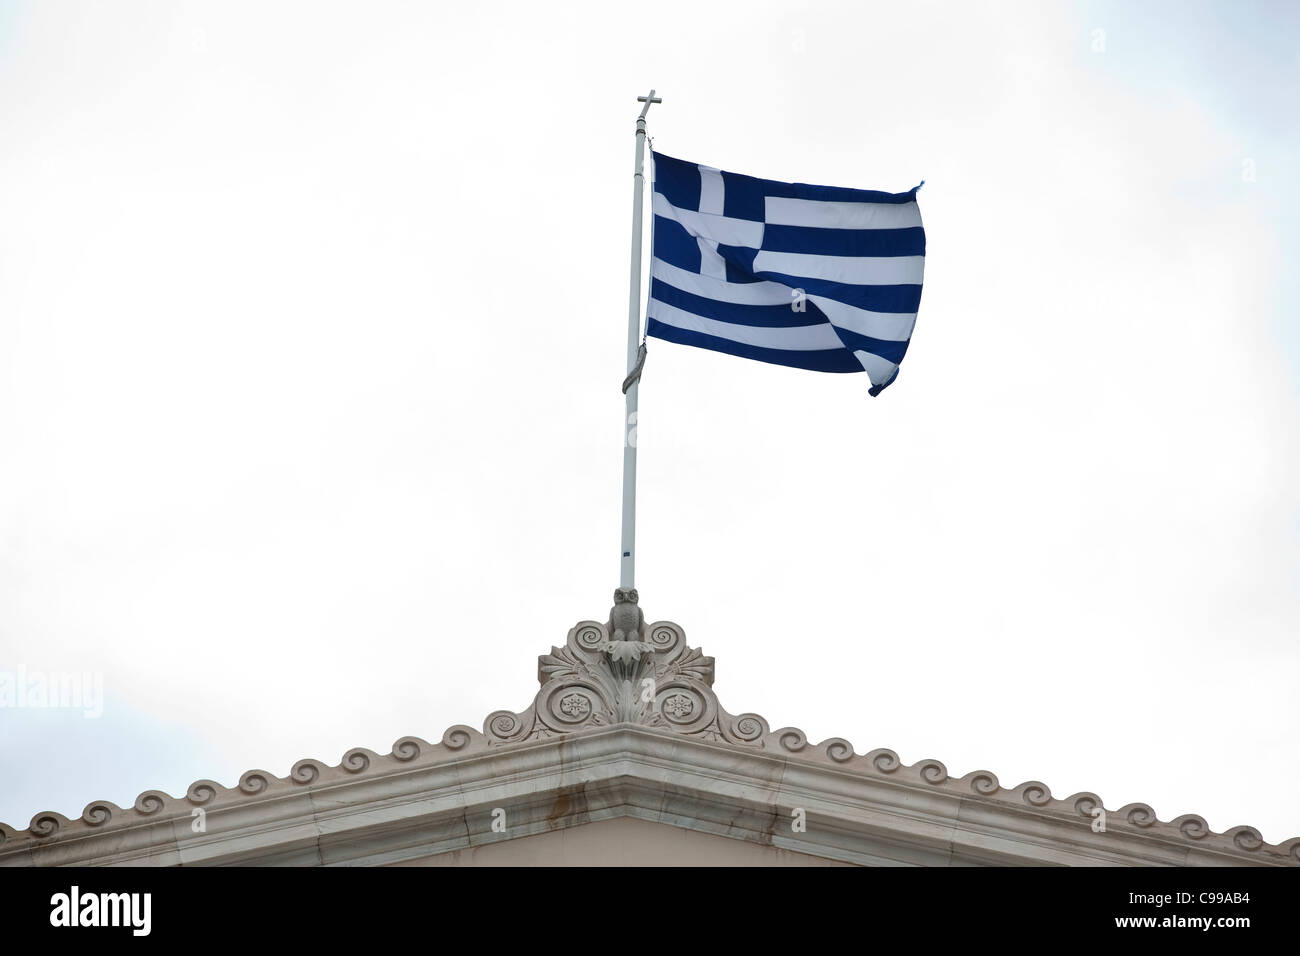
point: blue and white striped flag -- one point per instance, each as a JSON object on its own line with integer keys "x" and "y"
{"x": 814, "y": 277}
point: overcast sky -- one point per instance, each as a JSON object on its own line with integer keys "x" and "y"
{"x": 312, "y": 324}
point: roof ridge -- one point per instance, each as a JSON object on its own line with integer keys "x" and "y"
{"x": 605, "y": 678}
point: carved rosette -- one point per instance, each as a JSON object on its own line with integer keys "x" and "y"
{"x": 650, "y": 677}
{"x": 656, "y": 680}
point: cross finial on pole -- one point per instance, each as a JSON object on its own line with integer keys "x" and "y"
{"x": 648, "y": 100}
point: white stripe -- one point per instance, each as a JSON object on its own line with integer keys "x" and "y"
{"x": 803, "y": 338}
{"x": 711, "y": 264}
{"x": 840, "y": 215}
{"x": 741, "y": 293}
{"x": 730, "y": 232}
{"x": 712, "y": 199}
{"x": 852, "y": 270}
{"x": 890, "y": 326}
{"x": 877, "y": 369}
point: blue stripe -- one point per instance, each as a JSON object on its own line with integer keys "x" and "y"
{"x": 873, "y": 298}
{"x": 677, "y": 180}
{"x": 736, "y": 273}
{"x": 840, "y": 193}
{"x": 890, "y": 351}
{"x": 760, "y": 316}
{"x": 744, "y": 195}
{"x": 674, "y": 245}
{"x": 844, "y": 242}
{"x": 832, "y": 360}
{"x": 740, "y": 262}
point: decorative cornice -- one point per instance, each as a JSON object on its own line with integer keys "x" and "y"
{"x": 625, "y": 673}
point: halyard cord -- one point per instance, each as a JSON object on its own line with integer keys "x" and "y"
{"x": 634, "y": 376}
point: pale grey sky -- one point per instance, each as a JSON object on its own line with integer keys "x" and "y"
{"x": 312, "y": 321}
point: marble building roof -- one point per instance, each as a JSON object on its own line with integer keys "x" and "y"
{"x": 626, "y": 723}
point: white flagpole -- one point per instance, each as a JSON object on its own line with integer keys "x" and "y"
{"x": 628, "y": 565}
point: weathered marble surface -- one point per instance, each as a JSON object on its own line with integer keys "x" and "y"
{"x": 626, "y": 728}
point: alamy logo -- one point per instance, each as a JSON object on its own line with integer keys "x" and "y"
{"x": 25, "y": 688}
{"x": 103, "y": 909}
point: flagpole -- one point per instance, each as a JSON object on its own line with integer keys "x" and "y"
{"x": 627, "y": 568}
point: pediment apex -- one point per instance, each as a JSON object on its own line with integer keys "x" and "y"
{"x": 624, "y": 689}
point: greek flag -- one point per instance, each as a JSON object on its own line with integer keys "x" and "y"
{"x": 814, "y": 277}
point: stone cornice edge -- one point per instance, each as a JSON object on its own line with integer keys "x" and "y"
{"x": 593, "y": 683}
